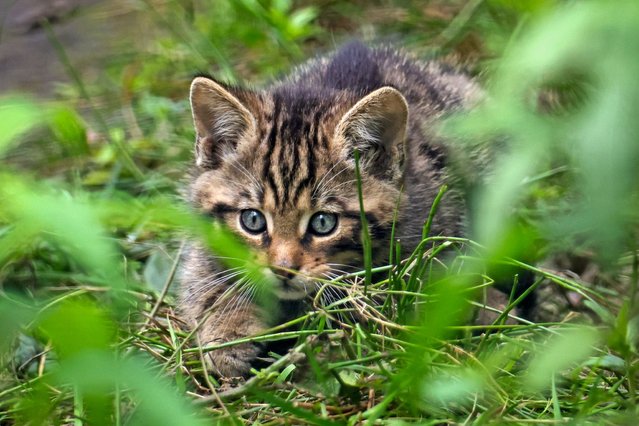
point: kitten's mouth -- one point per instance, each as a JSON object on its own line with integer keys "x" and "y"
{"x": 291, "y": 290}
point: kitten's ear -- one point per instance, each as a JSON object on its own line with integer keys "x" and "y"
{"x": 376, "y": 127}
{"x": 220, "y": 121}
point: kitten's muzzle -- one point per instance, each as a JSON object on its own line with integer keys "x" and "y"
{"x": 285, "y": 270}
{"x": 285, "y": 275}
{"x": 290, "y": 286}
{"x": 291, "y": 290}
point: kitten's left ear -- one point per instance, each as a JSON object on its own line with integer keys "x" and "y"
{"x": 221, "y": 120}
{"x": 376, "y": 127}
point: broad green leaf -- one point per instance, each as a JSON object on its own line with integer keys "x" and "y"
{"x": 69, "y": 130}
{"x": 449, "y": 388}
{"x": 70, "y": 223}
{"x": 158, "y": 267}
{"x": 99, "y": 373}
{"x": 76, "y": 326}
{"x": 13, "y": 317}
{"x": 16, "y": 116}
{"x": 559, "y": 353}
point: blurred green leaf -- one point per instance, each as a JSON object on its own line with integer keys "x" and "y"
{"x": 35, "y": 407}
{"x": 100, "y": 373}
{"x": 13, "y": 317}
{"x": 529, "y": 6}
{"x": 70, "y": 223}
{"x": 447, "y": 388}
{"x": 17, "y": 115}
{"x": 445, "y": 307}
{"x": 559, "y": 353}
{"x": 599, "y": 136}
{"x": 78, "y": 325}
{"x": 282, "y": 5}
{"x": 300, "y": 21}
{"x": 158, "y": 268}
{"x": 69, "y": 130}
{"x": 610, "y": 362}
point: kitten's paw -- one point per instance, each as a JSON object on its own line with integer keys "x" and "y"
{"x": 234, "y": 361}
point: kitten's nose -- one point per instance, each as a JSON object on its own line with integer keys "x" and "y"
{"x": 285, "y": 269}
{"x": 285, "y": 258}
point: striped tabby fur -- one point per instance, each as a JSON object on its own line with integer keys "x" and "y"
{"x": 287, "y": 152}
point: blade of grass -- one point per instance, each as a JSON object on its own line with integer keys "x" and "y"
{"x": 78, "y": 408}
{"x": 365, "y": 236}
{"x": 167, "y": 284}
{"x": 556, "y": 407}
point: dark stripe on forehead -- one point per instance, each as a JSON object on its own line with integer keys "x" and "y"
{"x": 436, "y": 156}
{"x": 295, "y": 143}
{"x": 293, "y": 168}
{"x": 314, "y": 128}
{"x": 313, "y": 144}
{"x": 273, "y": 119}
{"x": 268, "y": 158}
{"x": 260, "y": 197}
{"x": 309, "y": 179}
{"x": 296, "y": 132}
{"x": 321, "y": 138}
{"x": 281, "y": 162}
{"x": 271, "y": 183}
{"x": 290, "y": 145}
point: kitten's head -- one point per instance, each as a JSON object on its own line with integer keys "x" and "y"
{"x": 278, "y": 168}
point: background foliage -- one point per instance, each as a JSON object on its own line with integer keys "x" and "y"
{"x": 90, "y": 228}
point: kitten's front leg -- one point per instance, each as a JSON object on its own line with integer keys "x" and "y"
{"x": 226, "y": 326}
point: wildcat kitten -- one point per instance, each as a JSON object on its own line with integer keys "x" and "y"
{"x": 277, "y": 166}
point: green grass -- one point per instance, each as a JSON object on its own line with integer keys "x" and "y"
{"x": 91, "y": 230}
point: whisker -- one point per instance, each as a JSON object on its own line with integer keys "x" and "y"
{"x": 230, "y": 292}
{"x": 246, "y": 173}
{"x": 232, "y": 299}
{"x": 322, "y": 183}
{"x": 206, "y": 288}
{"x": 340, "y": 185}
{"x": 243, "y": 298}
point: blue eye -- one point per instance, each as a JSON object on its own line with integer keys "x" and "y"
{"x": 253, "y": 221}
{"x": 322, "y": 223}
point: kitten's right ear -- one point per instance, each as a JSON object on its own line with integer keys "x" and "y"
{"x": 220, "y": 121}
{"x": 376, "y": 127}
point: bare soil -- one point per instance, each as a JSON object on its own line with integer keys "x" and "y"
{"x": 92, "y": 33}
